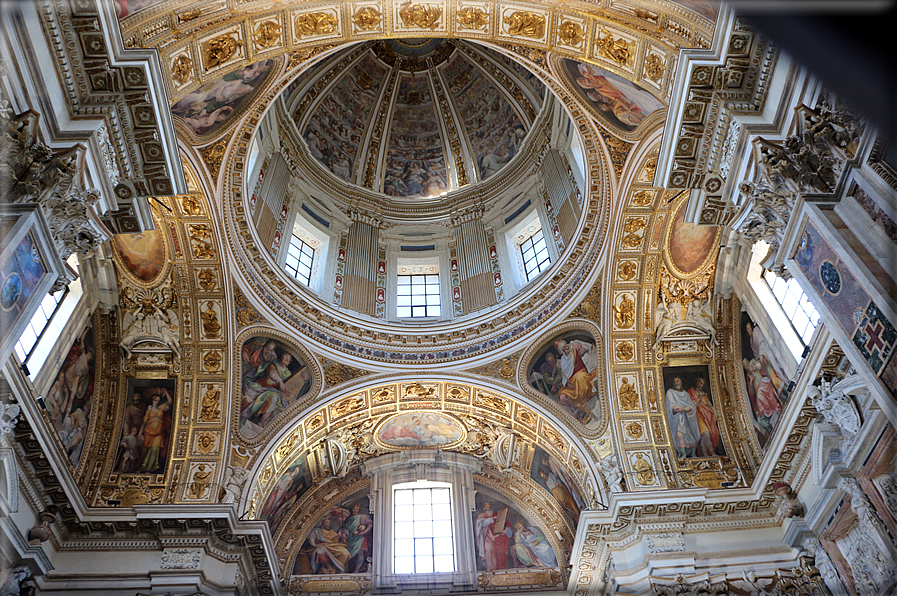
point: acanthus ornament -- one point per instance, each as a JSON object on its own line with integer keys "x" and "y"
{"x": 836, "y": 408}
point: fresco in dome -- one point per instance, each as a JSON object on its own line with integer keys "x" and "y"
{"x": 690, "y": 244}
{"x": 529, "y": 77}
{"x": 20, "y": 275}
{"x": 691, "y": 414}
{"x": 415, "y": 158}
{"x": 143, "y": 253}
{"x": 274, "y": 377}
{"x": 419, "y": 429}
{"x": 565, "y": 369}
{"x": 550, "y": 474}
{"x": 612, "y": 98}
{"x": 289, "y": 488}
{"x": 335, "y": 129}
{"x": 341, "y": 541}
{"x": 505, "y": 538}
{"x": 493, "y": 128}
{"x": 209, "y": 108}
{"x": 764, "y": 379}
{"x": 70, "y": 398}
{"x": 145, "y": 440}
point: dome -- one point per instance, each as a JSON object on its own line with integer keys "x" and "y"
{"x": 415, "y": 118}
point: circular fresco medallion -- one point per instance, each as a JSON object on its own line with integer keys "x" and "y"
{"x": 830, "y": 277}
{"x": 10, "y": 291}
{"x": 420, "y": 430}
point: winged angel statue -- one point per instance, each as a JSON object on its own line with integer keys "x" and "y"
{"x": 149, "y": 317}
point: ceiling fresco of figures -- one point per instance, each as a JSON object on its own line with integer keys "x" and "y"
{"x": 432, "y": 104}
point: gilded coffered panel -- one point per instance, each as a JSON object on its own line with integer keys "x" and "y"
{"x": 642, "y": 43}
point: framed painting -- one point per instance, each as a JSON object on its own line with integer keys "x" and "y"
{"x": 764, "y": 378}
{"x": 273, "y": 377}
{"x": 70, "y": 398}
{"x": 341, "y": 541}
{"x": 691, "y": 414}
{"x": 565, "y": 370}
{"x": 145, "y": 443}
{"x": 550, "y": 474}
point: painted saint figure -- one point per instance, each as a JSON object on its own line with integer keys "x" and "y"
{"x": 708, "y": 428}
{"x": 492, "y": 538}
{"x": 152, "y": 433}
{"x": 681, "y": 412}
{"x": 578, "y": 370}
{"x": 531, "y": 548}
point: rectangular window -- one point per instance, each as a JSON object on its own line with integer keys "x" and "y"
{"x": 38, "y": 325}
{"x": 795, "y": 304}
{"x": 300, "y": 256}
{"x": 422, "y": 524}
{"x": 418, "y": 296}
{"x": 535, "y": 255}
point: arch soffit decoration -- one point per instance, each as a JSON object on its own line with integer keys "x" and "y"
{"x": 465, "y": 397}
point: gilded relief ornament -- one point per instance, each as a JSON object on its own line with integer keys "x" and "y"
{"x": 424, "y": 16}
{"x": 654, "y": 67}
{"x": 205, "y": 442}
{"x": 624, "y": 313}
{"x": 624, "y": 351}
{"x": 182, "y": 69}
{"x": 246, "y": 314}
{"x": 267, "y": 34}
{"x": 207, "y": 279}
{"x": 201, "y": 235}
{"x": 315, "y": 23}
{"x": 525, "y": 24}
{"x": 212, "y": 361}
{"x": 367, "y": 18}
{"x": 213, "y": 155}
{"x": 336, "y": 372}
{"x": 627, "y": 270}
{"x": 210, "y": 325}
{"x": 634, "y": 430}
{"x": 570, "y": 33}
{"x": 346, "y": 406}
{"x": 191, "y": 205}
{"x": 472, "y": 17}
{"x": 220, "y": 50}
{"x": 211, "y": 404}
{"x": 632, "y": 227}
{"x": 642, "y": 198}
{"x": 628, "y": 395}
{"x": 619, "y": 50}
{"x": 201, "y": 483}
{"x": 644, "y": 473}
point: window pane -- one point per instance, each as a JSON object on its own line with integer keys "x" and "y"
{"x": 403, "y": 497}
{"x": 404, "y": 311}
{"x": 404, "y": 529}
{"x": 423, "y": 546}
{"x": 404, "y": 512}
{"x": 442, "y": 528}
{"x": 423, "y": 564}
{"x": 403, "y": 300}
{"x": 403, "y": 545}
{"x": 444, "y": 563}
{"x": 442, "y": 511}
{"x": 441, "y": 495}
{"x": 422, "y": 511}
{"x": 442, "y": 546}
{"x": 433, "y": 311}
{"x": 404, "y": 564}
{"x": 423, "y": 528}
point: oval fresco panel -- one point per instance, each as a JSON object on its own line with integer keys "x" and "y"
{"x": 420, "y": 429}
{"x": 615, "y": 100}
{"x": 273, "y": 377}
{"x": 142, "y": 253}
{"x": 209, "y": 108}
{"x": 689, "y": 244}
{"x": 565, "y": 369}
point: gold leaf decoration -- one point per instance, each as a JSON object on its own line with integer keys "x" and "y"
{"x": 219, "y": 50}
{"x": 315, "y": 23}
{"x": 336, "y": 372}
{"x": 423, "y": 16}
{"x": 182, "y": 69}
{"x": 619, "y": 50}
{"x": 571, "y": 33}
{"x": 472, "y": 18}
{"x": 267, "y": 34}
{"x": 525, "y": 24}
{"x": 367, "y": 18}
